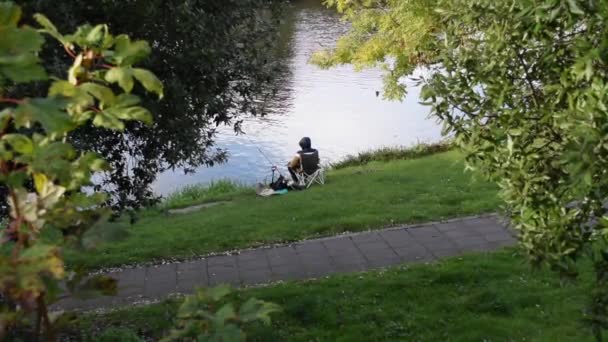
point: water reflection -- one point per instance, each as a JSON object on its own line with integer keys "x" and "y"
{"x": 337, "y": 108}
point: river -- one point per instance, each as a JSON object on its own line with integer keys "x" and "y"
{"x": 337, "y": 108}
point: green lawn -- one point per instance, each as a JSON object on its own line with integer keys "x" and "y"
{"x": 356, "y": 198}
{"x": 483, "y": 297}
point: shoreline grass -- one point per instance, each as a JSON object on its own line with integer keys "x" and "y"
{"x": 372, "y": 196}
{"x": 390, "y": 153}
{"x": 477, "y": 297}
{"x": 220, "y": 190}
{"x": 226, "y": 189}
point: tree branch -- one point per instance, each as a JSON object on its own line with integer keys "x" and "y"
{"x": 10, "y": 100}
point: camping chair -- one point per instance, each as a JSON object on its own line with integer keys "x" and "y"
{"x": 311, "y": 172}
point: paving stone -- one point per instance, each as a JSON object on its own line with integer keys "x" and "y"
{"x": 319, "y": 270}
{"x": 343, "y": 246}
{"x": 282, "y": 256}
{"x": 448, "y": 252}
{"x": 254, "y": 264}
{"x": 470, "y": 241}
{"x": 161, "y": 271}
{"x": 373, "y": 246}
{"x": 386, "y": 253}
{"x": 486, "y": 247}
{"x": 424, "y": 233}
{"x": 252, "y": 277}
{"x": 483, "y": 224}
{"x": 501, "y": 244}
{"x": 160, "y": 287}
{"x": 397, "y": 238}
{"x": 439, "y": 244}
{"x": 160, "y": 280}
{"x": 352, "y": 263}
{"x": 191, "y": 275}
{"x": 222, "y": 260}
{"x": 499, "y": 236}
{"x": 385, "y": 261}
{"x": 351, "y": 267}
{"x": 130, "y": 281}
{"x": 414, "y": 253}
{"x": 310, "y": 248}
{"x": 462, "y": 233}
{"x": 189, "y": 286}
{"x": 223, "y": 275}
{"x": 310, "y": 259}
{"x": 223, "y": 270}
{"x": 288, "y": 273}
{"x": 366, "y": 237}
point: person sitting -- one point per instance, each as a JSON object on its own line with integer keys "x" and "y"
{"x": 305, "y": 161}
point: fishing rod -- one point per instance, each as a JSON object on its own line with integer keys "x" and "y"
{"x": 273, "y": 165}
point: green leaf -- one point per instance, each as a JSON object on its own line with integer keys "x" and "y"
{"x": 131, "y": 113}
{"x": 122, "y": 76}
{"x": 49, "y": 112}
{"x": 10, "y": 14}
{"x": 255, "y": 309}
{"x": 5, "y": 118}
{"x": 49, "y": 28}
{"x": 20, "y": 143}
{"x": 127, "y": 53}
{"x": 224, "y": 314}
{"x": 77, "y": 96}
{"x": 149, "y": 81}
{"x": 96, "y": 34}
{"x": 19, "y": 60}
{"x": 230, "y": 332}
{"x": 23, "y": 74}
{"x": 574, "y": 7}
{"x": 102, "y": 119}
{"x": 102, "y": 93}
{"x": 218, "y": 292}
{"x": 126, "y": 100}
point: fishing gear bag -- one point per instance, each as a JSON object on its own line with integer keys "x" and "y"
{"x": 279, "y": 184}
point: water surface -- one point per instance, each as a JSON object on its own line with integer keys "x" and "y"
{"x": 337, "y": 108}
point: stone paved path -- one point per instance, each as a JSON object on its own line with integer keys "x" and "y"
{"x": 306, "y": 259}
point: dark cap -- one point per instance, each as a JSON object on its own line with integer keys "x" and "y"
{"x": 305, "y": 143}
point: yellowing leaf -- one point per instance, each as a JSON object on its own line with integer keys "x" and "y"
{"x": 40, "y": 181}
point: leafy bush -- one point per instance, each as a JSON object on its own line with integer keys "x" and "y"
{"x": 522, "y": 87}
{"x": 117, "y": 335}
{"x": 44, "y": 174}
{"x": 205, "y": 316}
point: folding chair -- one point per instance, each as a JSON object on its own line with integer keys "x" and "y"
{"x": 311, "y": 172}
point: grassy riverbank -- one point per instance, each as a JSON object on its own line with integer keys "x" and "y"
{"x": 370, "y": 196}
{"x": 483, "y": 297}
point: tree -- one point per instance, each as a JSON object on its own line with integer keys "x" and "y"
{"x": 521, "y": 85}
{"x": 218, "y": 61}
{"x": 43, "y": 173}
{"x": 46, "y": 176}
